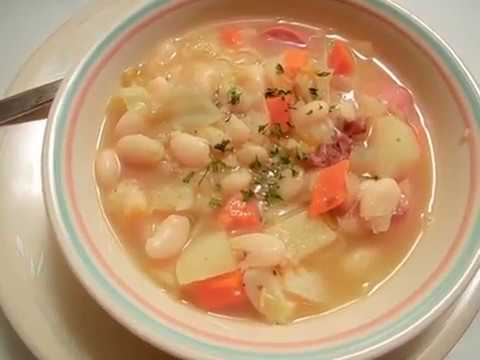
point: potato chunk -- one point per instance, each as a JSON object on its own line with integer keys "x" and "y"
{"x": 205, "y": 257}
{"x": 392, "y": 149}
{"x": 303, "y": 235}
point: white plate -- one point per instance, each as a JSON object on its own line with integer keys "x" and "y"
{"x": 39, "y": 294}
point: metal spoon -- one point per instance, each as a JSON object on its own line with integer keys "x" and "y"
{"x": 29, "y": 105}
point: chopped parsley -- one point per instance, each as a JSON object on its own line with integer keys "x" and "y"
{"x": 280, "y": 155}
{"x": 313, "y": 92}
{"x": 279, "y": 69}
{"x": 272, "y": 195}
{"x": 215, "y": 202}
{"x": 300, "y": 155}
{"x": 189, "y": 177}
{"x": 248, "y": 194}
{"x": 262, "y": 128}
{"x": 368, "y": 176}
{"x": 323, "y": 73}
{"x": 233, "y": 96}
{"x": 215, "y": 166}
{"x": 266, "y": 177}
{"x": 274, "y": 92}
{"x": 256, "y": 165}
{"x": 223, "y": 146}
{"x": 216, "y": 99}
{"x": 332, "y": 108}
{"x": 276, "y": 131}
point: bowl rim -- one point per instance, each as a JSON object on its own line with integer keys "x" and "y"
{"x": 120, "y": 306}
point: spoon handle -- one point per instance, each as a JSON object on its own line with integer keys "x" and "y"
{"x": 19, "y": 107}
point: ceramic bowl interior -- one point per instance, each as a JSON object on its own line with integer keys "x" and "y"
{"x": 419, "y": 290}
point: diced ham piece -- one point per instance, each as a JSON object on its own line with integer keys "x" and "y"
{"x": 329, "y": 154}
{"x": 286, "y": 35}
{"x": 354, "y": 128}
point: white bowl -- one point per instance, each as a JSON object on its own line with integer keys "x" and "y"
{"x": 434, "y": 274}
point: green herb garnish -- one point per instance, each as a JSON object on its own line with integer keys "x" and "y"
{"x": 272, "y": 195}
{"x": 279, "y": 69}
{"x": 280, "y": 155}
{"x": 300, "y": 155}
{"x": 323, "y": 73}
{"x": 223, "y": 146}
{"x": 261, "y": 128}
{"x": 247, "y": 195}
{"x": 215, "y": 166}
{"x": 233, "y": 96}
{"x": 276, "y": 131}
{"x": 189, "y": 177}
{"x": 256, "y": 164}
{"x": 274, "y": 92}
{"x": 332, "y": 108}
{"x": 215, "y": 202}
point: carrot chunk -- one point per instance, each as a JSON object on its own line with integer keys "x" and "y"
{"x": 239, "y": 215}
{"x": 341, "y": 59}
{"x": 279, "y": 110}
{"x": 219, "y": 292}
{"x": 330, "y": 188}
{"x": 294, "y": 60}
{"x": 231, "y": 36}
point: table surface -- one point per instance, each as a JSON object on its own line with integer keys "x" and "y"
{"x": 25, "y": 24}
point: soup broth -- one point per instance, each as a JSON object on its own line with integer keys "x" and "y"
{"x": 264, "y": 169}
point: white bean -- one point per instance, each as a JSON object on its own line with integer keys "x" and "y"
{"x": 378, "y": 202}
{"x": 108, "y": 168}
{"x": 159, "y": 88}
{"x": 189, "y": 150}
{"x": 132, "y": 122}
{"x": 206, "y": 78}
{"x": 346, "y": 110}
{"x": 359, "y": 261}
{"x": 213, "y": 135}
{"x": 310, "y": 113}
{"x": 231, "y": 160}
{"x": 262, "y": 250}
{"x": 250, "y": 152}
{"x": 274, "y": 79}
{"x": 256, "y": 280}
{"x": 237, "y": 130}
{"x": 252, "y": 77}
{"x": 236, "y": 181}
{"x": 290, "y": 186}
{"x": 140, "y": 150}
{"x": 248, "y": 100}
{"x": 169, "y": 238}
